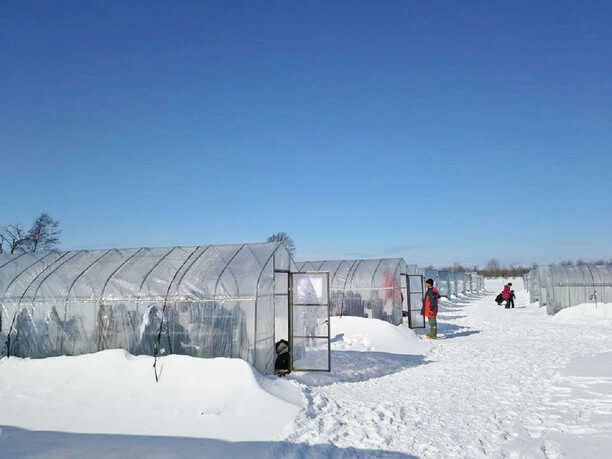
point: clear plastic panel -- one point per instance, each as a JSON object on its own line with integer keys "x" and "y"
{"x": 347, "y": 304}
{"x": 265, "y": 320}
{"x": 281, "y": 318}
{"x": 365, "y": 287}
{"x": 310, "y": 320}
{"x": 443, "y": 288}
{"x": 306, "y": 266}
{"x": 417, "y": 320}
{"x": 16, "y": 272}
{"x": 404, "y": 285}
{"x": 339, "y": 273}
{"x": 281, "y": 259}
{"x": 281, "y": 283}
{"x": 311, "y": 354}
{"x": 310, "y": 288}
{"x": 416, "y": 284}
{"x": 18, "y": 277}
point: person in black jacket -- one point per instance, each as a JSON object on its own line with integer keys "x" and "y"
{"x": 510, "y": 301}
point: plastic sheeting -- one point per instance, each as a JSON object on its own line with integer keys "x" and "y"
{"x": 476, "y": 282}
{"x": 450, "y": 283}
{"x": 446, "y": 284}
{"x": 561, "y": 286}
{"x": 213, "y": 301}
{"x": 364, "y": 288}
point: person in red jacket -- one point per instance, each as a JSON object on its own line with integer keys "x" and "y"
{"x": 506, "y": 293}
{"x": 430, "y": 308}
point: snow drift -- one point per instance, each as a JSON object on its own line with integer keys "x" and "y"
{"x": 114, "y": 392}
{"x": 363, "y": 349}
{"x": 357, "y": 334}
{"x": 586, "y": 313}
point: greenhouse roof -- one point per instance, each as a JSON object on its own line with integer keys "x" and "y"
{"x": 347, "y": 274}
{"x": 211, "y": 272}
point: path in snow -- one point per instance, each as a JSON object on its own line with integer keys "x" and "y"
{"x": 495, "y": 385}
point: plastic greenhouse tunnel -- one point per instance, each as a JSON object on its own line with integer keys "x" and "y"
{"x": 557, "y": 287}
{"x": 204, "y": 301}
{"x": 385, "y": 289}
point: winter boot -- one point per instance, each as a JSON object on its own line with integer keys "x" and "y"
{"x": 433, "y": 333}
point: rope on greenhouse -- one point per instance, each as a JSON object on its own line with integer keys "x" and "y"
{"x": 364, "y": 288}
{"x": 182, "y": 299}
{"x": 161, "y": 324}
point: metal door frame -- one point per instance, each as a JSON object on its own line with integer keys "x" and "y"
{"x": 405, "y": 290}
{"x": 287, "y": 296}
{"x": 291, "y": 335}
{"x": 408, "y": 276}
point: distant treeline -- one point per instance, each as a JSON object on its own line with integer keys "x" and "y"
{"x": 580, "y": 261}
{"x": 512, "y": 271}
{"x": 494, "y": 268}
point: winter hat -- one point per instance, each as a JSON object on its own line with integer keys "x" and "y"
{"x": 429, "y": 281}
{"x": 509, "y": 283}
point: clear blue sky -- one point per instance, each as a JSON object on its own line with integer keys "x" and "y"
{"x": 437, "y": 131}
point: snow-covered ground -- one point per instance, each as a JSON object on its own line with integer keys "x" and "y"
{"x": 499, "y": 383}
{"x": 114, "y": 392}
{"x": 600, "y": 313}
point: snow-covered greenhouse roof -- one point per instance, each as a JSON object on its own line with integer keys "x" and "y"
{"x": 211, "y": 272}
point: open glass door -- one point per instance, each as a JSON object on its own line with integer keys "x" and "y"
{"x": 309, "y": 321}
{"x": 415, "y": 301}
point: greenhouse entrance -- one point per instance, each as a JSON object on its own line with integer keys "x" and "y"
{"x": 415, "y": 300}
{"x": 309, "y": 321}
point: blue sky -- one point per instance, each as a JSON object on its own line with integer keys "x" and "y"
{"x": 436, "y": 131}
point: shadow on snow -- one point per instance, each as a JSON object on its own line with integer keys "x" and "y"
{"x": 460, "y": 334}
{"x": 21, "y": 443}
{"x": 355, "y": 366}
{"x": 445, "y": 317}
{"x": 454, "y": 331}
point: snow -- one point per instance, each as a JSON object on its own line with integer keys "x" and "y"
{"x": 357, "y": 334}
{"x": 499, "y": 383}
{"x": 113, "y": 392}
{"x": 595, "y": 314}
{"x": 496, "y": 385}
{"x": 362, "y": 349}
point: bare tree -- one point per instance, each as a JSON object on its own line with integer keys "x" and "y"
{"x": 285, "y": 239}
{"x": 14, "y": 237}
{"x": 494, "y": 268}
{"x": 493, "y": 265}
{"x": 456, "y": 268}
{"x": 44, "y": 234}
